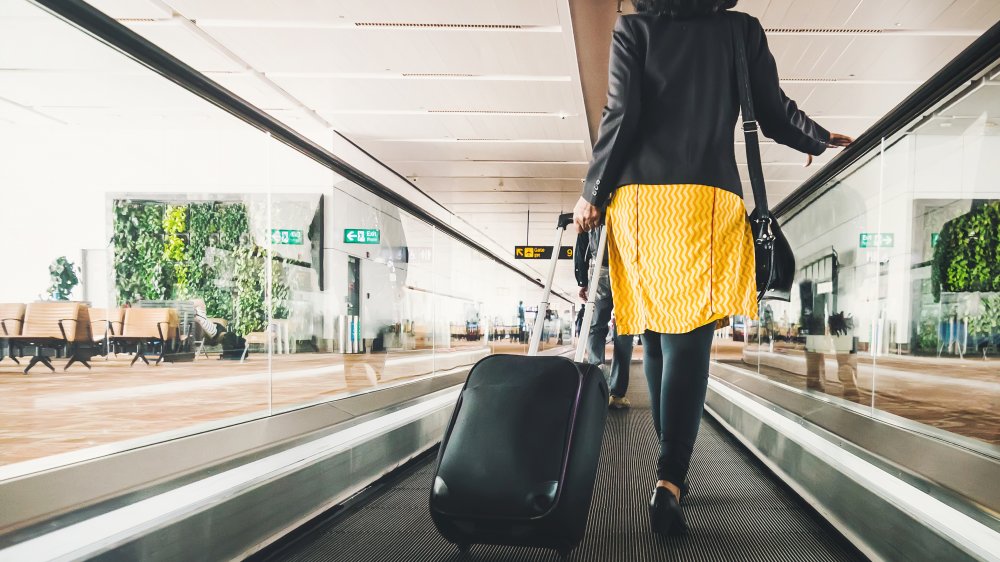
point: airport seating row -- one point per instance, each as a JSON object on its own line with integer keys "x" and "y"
{"x": 81, "y": 332}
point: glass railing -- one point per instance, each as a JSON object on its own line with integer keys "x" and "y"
{"x": 896, "y": 304}
{"x": 170, "y": 268}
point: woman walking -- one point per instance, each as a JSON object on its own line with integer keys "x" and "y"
{"x": 680, "y": 246}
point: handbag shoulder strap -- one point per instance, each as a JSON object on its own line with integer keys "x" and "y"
{"x": 750, "y": 133}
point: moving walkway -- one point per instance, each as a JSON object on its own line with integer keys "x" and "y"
{"x": 736, "y": 510}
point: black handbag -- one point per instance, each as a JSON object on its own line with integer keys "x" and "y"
{"x": 773, "y": 257}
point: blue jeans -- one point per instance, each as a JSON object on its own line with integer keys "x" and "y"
{"x": 622, "y": 353}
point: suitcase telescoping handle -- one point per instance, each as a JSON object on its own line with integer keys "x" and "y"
{"x": 588, "y": 313}
{"x": 565, "y": 220}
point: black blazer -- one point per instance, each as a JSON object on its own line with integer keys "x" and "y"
{"x": 673, "y": 104}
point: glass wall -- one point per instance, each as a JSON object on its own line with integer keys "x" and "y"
{"x": 897, "y": 299}
{"x": 171, "y": 269}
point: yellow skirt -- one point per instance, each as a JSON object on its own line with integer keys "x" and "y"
{"x": 680, "y": 256}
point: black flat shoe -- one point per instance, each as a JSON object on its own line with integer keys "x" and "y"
{"x": 665, "y": 514}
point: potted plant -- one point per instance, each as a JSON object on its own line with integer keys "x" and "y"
{"x": 63, "y": 277}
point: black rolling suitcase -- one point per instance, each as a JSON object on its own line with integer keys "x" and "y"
{"x": 518, "y": 461}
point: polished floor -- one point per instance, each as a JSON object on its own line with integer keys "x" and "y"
{"x": 119, "y": 406}
{"x": 957, "y": 395}
{"x": 79, "y": 412}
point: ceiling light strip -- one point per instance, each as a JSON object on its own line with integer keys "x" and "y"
{"x": 823, "y": 30}
{"x": 480, "y": 140}
{"x": 849, "y": 81}
{"x": 422, "y": 76}
{"x": 491, "y": 112}
{"x": 378, "y": 25}
{"x": 444, "y": 111}
{"x": 396, "y": 25}
{"x": 862, "y": 31}
{"x": 457, "y": 26}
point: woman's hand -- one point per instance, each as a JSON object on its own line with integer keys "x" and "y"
{"x": 586, "y": 217}
{"x": 836, "y": 140}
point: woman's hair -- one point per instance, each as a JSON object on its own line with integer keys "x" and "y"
{"x": 683, "y": 8}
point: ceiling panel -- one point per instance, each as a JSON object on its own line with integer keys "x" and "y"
{"x": 505, "y": 197}
{"x": 26, "y": 43}
{"x": 184, "y": 42}
{"x": 416, "y": 51}
{"x": 512, "y": 208}
{"x": 294, "y": 57}
{"x": 836, "y": 99}
{"x": 456, "y": 125}
{"x": 95, "y": 90}
{"x": 415, "y": 168}
{"x": 346, "y": 94}
{"x": 885, "y": 57}
{"x": 471, "y": 185}
{"x": 253, "y": 89}
{"x": 520, "y": 151}
{"x": 116, "y": 118}
{"x": 132, "y": 9}
{"x": 877, "y": 14}
{"x": 504, "y": 12}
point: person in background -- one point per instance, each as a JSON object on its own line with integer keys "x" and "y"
{"x": 579, "y": 319}
{"x": 213, "y": 330}
{"x": 520, "y": 322}
{"x": 584, "y": 259}
{"x": 681, "y": 252}
{"x": 845, "y": 345}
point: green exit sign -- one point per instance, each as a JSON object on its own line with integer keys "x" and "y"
{"x": 285, "y": 236}
{"x": 876, "y": 240}
{"x": 361, "y": 236}
{"x": 934, "y": 239}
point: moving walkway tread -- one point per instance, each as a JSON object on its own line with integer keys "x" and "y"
{"x": 737, "y": 510}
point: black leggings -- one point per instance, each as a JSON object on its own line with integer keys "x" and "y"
{"x": 676, "y": 368}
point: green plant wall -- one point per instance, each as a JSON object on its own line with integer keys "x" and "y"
{"x": 175, "y": 258}
{"x": 249, "y": 304}
{"x": 967, "y": 255}
{"x": 196, "y": 250}
{"x": 137, "y": 239}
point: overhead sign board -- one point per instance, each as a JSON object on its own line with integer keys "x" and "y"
{"x": 876, "y": 240}
{"x": 361, "y": 236}
{"x": 541, "y": 252}
{"x": 285, "y": 236}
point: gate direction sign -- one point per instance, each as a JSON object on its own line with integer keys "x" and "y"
{"x": 361, "y": 236}
{"x": 876, "y": 240}
{"x": 285, "y": 236}
{"x": 541, "y": 252}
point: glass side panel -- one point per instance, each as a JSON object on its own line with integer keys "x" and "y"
{"x": 942, "y": 275}
{"x": 132, "y": 217}
{"x": 897, "y": 299}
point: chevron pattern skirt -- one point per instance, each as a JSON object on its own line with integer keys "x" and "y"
{"x": 680, "y": 256}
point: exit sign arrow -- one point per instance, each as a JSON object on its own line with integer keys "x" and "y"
{"x": 362, "y": 236}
